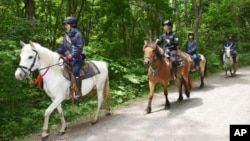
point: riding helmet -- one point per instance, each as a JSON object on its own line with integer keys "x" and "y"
{"x": 167, "y": 22}
{"x": 70, "y": 20}
{"x": 191, "y": 33}
{"x": 230, "y": 35}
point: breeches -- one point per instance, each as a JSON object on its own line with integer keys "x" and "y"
{"x": 76, "y": 64}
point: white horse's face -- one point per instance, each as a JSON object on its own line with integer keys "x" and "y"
{"x": 227, "y": 51}
{"x": 29, "y": 61}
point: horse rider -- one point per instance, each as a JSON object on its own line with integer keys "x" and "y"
{"x": 230, "y": 42}
{"x": 190, "y": 47}
{"x": 170, "y": 45}
{"x": 72, "y": 48}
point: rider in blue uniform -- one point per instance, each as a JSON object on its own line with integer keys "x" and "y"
{"x": 230, "y": 42}
{"x": 191, "y": 48}
{"x": 72, "y": 48}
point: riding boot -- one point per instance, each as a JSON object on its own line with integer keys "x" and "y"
{"x": 234, "y": 58}
{"x": 78, "y": 94}
{"x": 174, "y": 71}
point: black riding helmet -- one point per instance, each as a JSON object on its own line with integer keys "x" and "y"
{"x": 191, "y": 33}
{"x": 70, "y": 20}
{"x": 230, "y": 35}
{"x": 167, "y": 22}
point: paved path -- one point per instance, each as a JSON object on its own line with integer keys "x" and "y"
{"x": 206, "y": 116}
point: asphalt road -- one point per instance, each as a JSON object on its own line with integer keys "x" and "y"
{"x": 205, "y": 116}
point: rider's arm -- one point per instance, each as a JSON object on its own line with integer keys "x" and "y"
{"x": 159, "y": 41}
{"x": 77, "y": 47}
{"x": 234, "y": 45}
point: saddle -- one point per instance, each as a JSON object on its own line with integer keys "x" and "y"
{"x": 88, "y": 69}
{"x": 194, "y": 67}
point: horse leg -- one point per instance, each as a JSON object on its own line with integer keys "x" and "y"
{"x": 187, "y": 83}
{"x": 47, "y": 113}
{"x": 100, "y": 100}
{"x": 106, "y": 97}
{"x": 167, "y": 104}
{"x": 151, "y": 94}
{"x": 179, "y": 82}
{"x": 63, "y": 122}
{"x": 201, "y": 73}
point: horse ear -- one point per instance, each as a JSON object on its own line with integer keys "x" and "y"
{"x": 32, "y": 44}
{"x": 145, "y": 42}
{"x": 22, "y": 43}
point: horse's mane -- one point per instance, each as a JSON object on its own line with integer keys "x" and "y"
{"x": 158, "y": 50}
{"x": 47, "y": 56}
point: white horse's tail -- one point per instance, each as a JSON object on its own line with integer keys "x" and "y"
{"x": 106, "y": 96}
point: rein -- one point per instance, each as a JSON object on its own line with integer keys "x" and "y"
{"x": 155, "y": 69}
{"x": 39, "y": 78}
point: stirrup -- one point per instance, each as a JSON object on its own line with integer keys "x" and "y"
{"x": 78, "y": 95}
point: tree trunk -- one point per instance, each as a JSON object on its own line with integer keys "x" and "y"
{"x": 29, "y": 6}
{"x": 197, "y": 6}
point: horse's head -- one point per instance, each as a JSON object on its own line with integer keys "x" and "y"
{"x": 29, "y": 60}
{"x": 151, "y": 52}
{"x": 227, "y": 50}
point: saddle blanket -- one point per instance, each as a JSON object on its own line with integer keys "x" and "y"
{"x": 88, "y": 70}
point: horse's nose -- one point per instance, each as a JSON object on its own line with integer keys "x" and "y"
{"x": 146, "y": 63}
{"x": 19, "y": 75}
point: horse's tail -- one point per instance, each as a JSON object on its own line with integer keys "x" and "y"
{"x": 189, "y": 82}
{"x": 106, "y": 96}
{"x": 205, "y": 69}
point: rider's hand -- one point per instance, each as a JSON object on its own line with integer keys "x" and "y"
{"x": 69, "y": 57}
{"x": 157, "y": 40}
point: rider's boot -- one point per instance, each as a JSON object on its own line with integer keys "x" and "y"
{"x": 78, "y": 94}
{"x": 234, "y": 59}
{"x": 174, "y": 72}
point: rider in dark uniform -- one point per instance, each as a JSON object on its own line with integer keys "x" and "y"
{"x": 230, "y": 42}
{"x": 191, "y": 48}
{"x": 170, "y": 45}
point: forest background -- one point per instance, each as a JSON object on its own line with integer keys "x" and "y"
{"x": 114, "y": 31}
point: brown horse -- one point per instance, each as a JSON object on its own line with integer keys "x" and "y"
{"x": 159, "y": 71}
{"x": 201, "y": 68}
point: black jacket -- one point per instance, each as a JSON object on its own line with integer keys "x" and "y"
{"x": 172, "y": 38}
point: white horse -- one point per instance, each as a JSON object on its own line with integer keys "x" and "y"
{"x": 229, "y": 64}
{"x": 35, "y": 57}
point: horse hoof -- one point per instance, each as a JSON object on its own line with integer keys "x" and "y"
{"x": 187, "y": 94}
{"x": 108, "y": 114}
{"x": 202, "y": 85}
{"x": 148, "y": 110}
{"x": 60, "y": 133}
{"x": 180, "y": 99}
{"x": 94, "y": 122}
{"x": 167, "y": 107}
{"x": 46, "y": 138}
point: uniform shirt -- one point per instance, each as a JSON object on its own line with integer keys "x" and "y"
{"x": 72, "y": 46}
{"x": 190, "y": 46}
{"x": 172, "y": 38}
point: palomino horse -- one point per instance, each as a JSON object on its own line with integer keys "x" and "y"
{"x": 201, "y": 69}
{"x": 159, "y": 71}
{"x": 229, "y": 64}
{"x": 35, "y": 57}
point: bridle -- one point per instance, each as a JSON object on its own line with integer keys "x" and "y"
{"x": 151, "y": 59}
{"x": 27, "y": 70}
{"x": 24, "y": 68}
